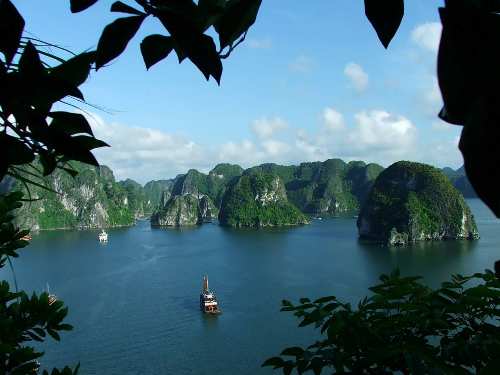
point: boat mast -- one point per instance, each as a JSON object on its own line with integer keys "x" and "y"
{"x": 205, "y": 283}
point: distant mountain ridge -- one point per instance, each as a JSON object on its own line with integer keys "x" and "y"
{"x": 94, "y": 199}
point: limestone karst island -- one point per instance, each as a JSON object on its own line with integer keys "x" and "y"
{"x": 402, "y": 204}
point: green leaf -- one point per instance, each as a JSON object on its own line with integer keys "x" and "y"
{"x": 79, "y": 5}
{"x": 237, "y": 18}
{"x": 385, "y": 17}
{"x": 155, "y": 48}
{"x": 11, "y": 30}
{"x": 115, "y": 37}
{"x": 70, "y": 123}
{"x": 120, "y": 7}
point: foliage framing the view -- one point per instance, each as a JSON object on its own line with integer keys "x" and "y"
{"x": 467, "y": 76}
{"x": 23, "y": 319}
{"x": 403, "y": 327}
{"x": 32, "y": 80}
{"x": 186, "y": 24}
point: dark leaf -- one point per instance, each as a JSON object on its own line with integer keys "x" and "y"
{"x": 30, "y": 65}
{"x": 54, "y": 334}
{"x": 479, "y": 137}
{"x": 155, "y": 48}
{"x": 115, "y": 37}
{"x": 48, "y": 162}
{"x": 457, "y": 63}
{"x": 89, "y": 143}
{"x": 11, "y": 29}
{"x": 13, "y": 151}
{"x": 385, "y": 17}
{"x": 70, "y": 171}
{"x": 70, "y": 123}
{"x": 79, "y": 5}
{"x": 120, "y": 7}
{"x": 75, "y": 70}
{"x": 237, "y": 18}
{"x": 274, "y": 362}
{"x": 210, "y": 11}
{"x": 203, "y": 54}
{"x": 293, "y": 351}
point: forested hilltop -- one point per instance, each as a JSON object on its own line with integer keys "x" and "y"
{"x": 268, "y": 194}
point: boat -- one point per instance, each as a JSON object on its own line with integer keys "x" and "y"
{"x": 208, "y": 301}
{"x": 52, "y": 297}
{"x": 103, "y": 236}
{"x": 27, "y": 237}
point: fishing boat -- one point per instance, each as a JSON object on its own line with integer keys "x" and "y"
{"x": 103, "y": 236}
{"x": 208, "y": 301}
{"x": 52, "y": 297}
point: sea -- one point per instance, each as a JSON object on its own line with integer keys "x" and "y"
{"x": 134, "y": 301}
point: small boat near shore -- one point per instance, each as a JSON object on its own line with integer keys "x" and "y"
{"x": 103, "y": 236}
{"x": 28, "y": 237}
{"x": 208, "y": 300}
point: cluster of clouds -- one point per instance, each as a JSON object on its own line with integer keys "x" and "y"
{"x": 372, "y": 135}
{"x": 369, "y": 135}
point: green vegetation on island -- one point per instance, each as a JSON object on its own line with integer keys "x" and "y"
{"x": 258, "y": 200}
{"x": 331, "y": 187}
{"x": 91, "y": 199}
{"x": 412, "y": 202}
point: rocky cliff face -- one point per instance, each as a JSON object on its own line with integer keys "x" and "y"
{"x": 212, "y": 185}
{"x": 412, "y": 202}
{"x": 185, "y": 210}
{"x": 180, "y": 210}
{"x": 90, "y": 200}
{"x": 258, "y": 200}
{"x": 331, "y": 187}
{"x": 156, "y": 194}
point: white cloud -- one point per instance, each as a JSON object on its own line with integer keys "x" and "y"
{"x": 264, "y": 128}
{"x": 274, "y": 148}
{"x": 265, "y": 43}
{"x": 333, "y": 119}
{"x": 373, "y": 136}
{"x": 143, "y": 153}
{"x": 357, "y": 76}
{"x": 378, "y": 131}
{"x": 427, "y": 36}
{"x": 302, "y": 64}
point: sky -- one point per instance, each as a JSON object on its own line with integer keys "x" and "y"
{"x": 311, "y": 82}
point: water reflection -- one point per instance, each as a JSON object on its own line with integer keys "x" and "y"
{"x": 434, "y": 260}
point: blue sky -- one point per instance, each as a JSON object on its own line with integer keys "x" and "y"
{"x": 311, "y": 82}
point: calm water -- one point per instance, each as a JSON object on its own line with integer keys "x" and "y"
{"x": 134, "y": 301}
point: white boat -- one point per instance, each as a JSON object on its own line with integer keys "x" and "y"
{"x": 52, "y": 297}
{"x": 103, "y": 236}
